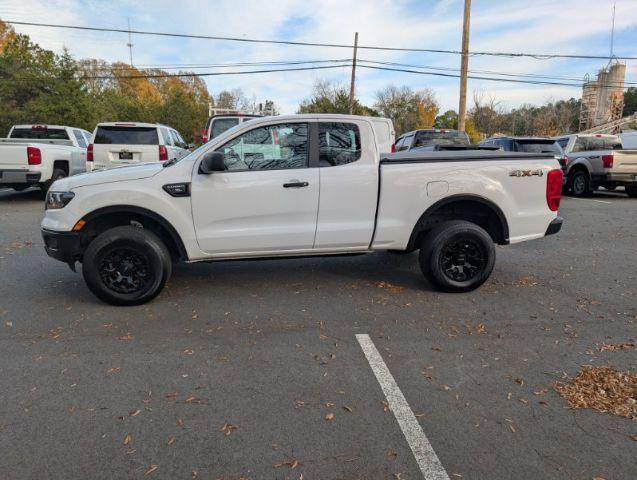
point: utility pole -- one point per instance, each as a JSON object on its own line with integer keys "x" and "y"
{"x": 130, "y": 45}
{"x": 464, "y": 64}
{"x": 612, "y": 32}
{"x": 351, "y": 88}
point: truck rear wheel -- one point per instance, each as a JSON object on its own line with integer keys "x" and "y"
{"x": 57, "y": 174}
{"x": 457, "y": 256}
{"x": 631, "y": 191}
{"x": 126, "y": 266}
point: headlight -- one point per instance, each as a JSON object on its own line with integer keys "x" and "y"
{"x": 57, "y": 200}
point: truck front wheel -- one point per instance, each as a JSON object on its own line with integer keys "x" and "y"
{"x": 457, "y": 256}
{"x": 126, "y": 266}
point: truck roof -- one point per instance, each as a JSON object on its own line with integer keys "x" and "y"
{"x": 131, "y": 124}
{"x": 45, "y": 125}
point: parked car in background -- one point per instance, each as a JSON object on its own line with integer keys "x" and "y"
{"x": 598, "y": 160}
{"x": 428, "y": 139}
{"x": 529, "y": 145}
{"x": 267, "y": 189}
{"x": 217, "y": 124}
{"x": 124, "y": 143}
{"x": 40, "y": 154}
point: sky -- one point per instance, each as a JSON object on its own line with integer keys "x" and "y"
{"x": 539, "y": 26}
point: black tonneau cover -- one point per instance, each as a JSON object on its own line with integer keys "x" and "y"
{"x": 459, "y": 156}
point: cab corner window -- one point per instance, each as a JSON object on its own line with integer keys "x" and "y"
{"x": 339, "y": 144}
{"x": 273, "y": 147}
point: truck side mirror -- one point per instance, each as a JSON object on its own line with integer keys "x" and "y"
{"x": 212, "y": 162}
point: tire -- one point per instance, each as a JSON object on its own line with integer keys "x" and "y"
{"x": 20, "y": 188}
{"x": 57, "y": 174}
{"x": 631, "y": 192}
{"x": 444, "y": 251}
{"x": 579, "y": 184}
{"x": 130, "y": 250}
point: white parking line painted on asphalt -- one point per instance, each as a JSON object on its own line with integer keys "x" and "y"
{"x": 426, "y": 458}
{"x": 593, "y": 200}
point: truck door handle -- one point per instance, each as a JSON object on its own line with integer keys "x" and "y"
{"x": 295, "y": 184}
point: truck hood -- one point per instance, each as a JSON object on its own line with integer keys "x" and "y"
{"x": 128, "y": 172}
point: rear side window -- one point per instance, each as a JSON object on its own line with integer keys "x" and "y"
{"x": 339, "y": 144}
{"x": 81, "y": 141}
{"x": 563, "y": 142}
{"x": 406, "y": 143}
{"x": 220, "y": 125}
{"x": 441, "y": 137}
{"x": 165, "y": 133}
{"x": 42, "y": 133}
{"x": 127, "y": 135}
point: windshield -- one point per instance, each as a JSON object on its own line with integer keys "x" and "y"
{"x": 220, "y": 125}
{"x": 441, "y": 137}
{"x": 534, "y": 146}
{"x": 122, "y": 135}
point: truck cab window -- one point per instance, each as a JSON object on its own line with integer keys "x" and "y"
{"x": 339, "y": 144}
{"x": 273, "y": 147}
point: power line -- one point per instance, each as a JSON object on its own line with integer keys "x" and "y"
{"x": 214, "y": 65}
{"x": 476, "y": 77}
{"x": 210, "y": 74}
{"x": 488, "y": 72}
{"x": 538, "y": 56}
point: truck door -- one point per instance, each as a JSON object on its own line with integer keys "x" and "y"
{"x": 348, "y": 167}
{"x": 265, "y": 201}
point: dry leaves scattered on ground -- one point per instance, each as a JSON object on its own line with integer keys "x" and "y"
{"x": 613, "y": 347}
{"x": 603, "y": 389}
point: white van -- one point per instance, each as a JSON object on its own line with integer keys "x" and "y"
{"x": 124, "y": 143}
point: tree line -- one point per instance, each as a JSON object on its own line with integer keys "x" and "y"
{"x": 39, "y": 86}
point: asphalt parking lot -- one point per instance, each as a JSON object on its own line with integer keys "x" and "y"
{"x": 253, "y": 370}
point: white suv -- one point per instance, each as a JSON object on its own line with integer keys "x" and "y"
{"x": 122, "y": 143}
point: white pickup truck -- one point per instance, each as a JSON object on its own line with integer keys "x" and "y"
{"x": 40, "y": 154}
{"x": 300, "y": 185}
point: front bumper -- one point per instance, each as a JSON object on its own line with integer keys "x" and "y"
{"x": 19, "y": 177}
{"x": 63, "y": 246}
{"x": 555, "y": 226}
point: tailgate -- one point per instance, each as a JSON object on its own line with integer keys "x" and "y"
{"x": 117, "y": 155}
{"x": 13, "y": 157}
{"x": 624, "y": 161}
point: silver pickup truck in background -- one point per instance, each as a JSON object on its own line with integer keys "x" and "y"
{"x": 597, "y": 160}
{"x": 40, "y": 154}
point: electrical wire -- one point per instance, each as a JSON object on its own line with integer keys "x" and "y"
{"x": 538, "y": 56}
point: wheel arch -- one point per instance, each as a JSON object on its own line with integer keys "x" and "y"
{"x": 473, "y": 208}
{"x": 63, "y": 164}
{"x": 103, "y": 218}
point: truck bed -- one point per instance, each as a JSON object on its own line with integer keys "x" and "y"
{"x": 512, "y": 183}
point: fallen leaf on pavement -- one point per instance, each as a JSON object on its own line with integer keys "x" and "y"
{"x": 329, "y": 416}
{"x": 151, "y": 469}
{"x": 228, "y": 428}
{"x": 171, "y": 440}
{"x": 127, "y": 440}
{"x": 134, "y": 413}
{"x": 347, "y": 409}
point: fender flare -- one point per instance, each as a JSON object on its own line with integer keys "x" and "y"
{"x": 459, "y": 198}
{"x": 144, "y": 213}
